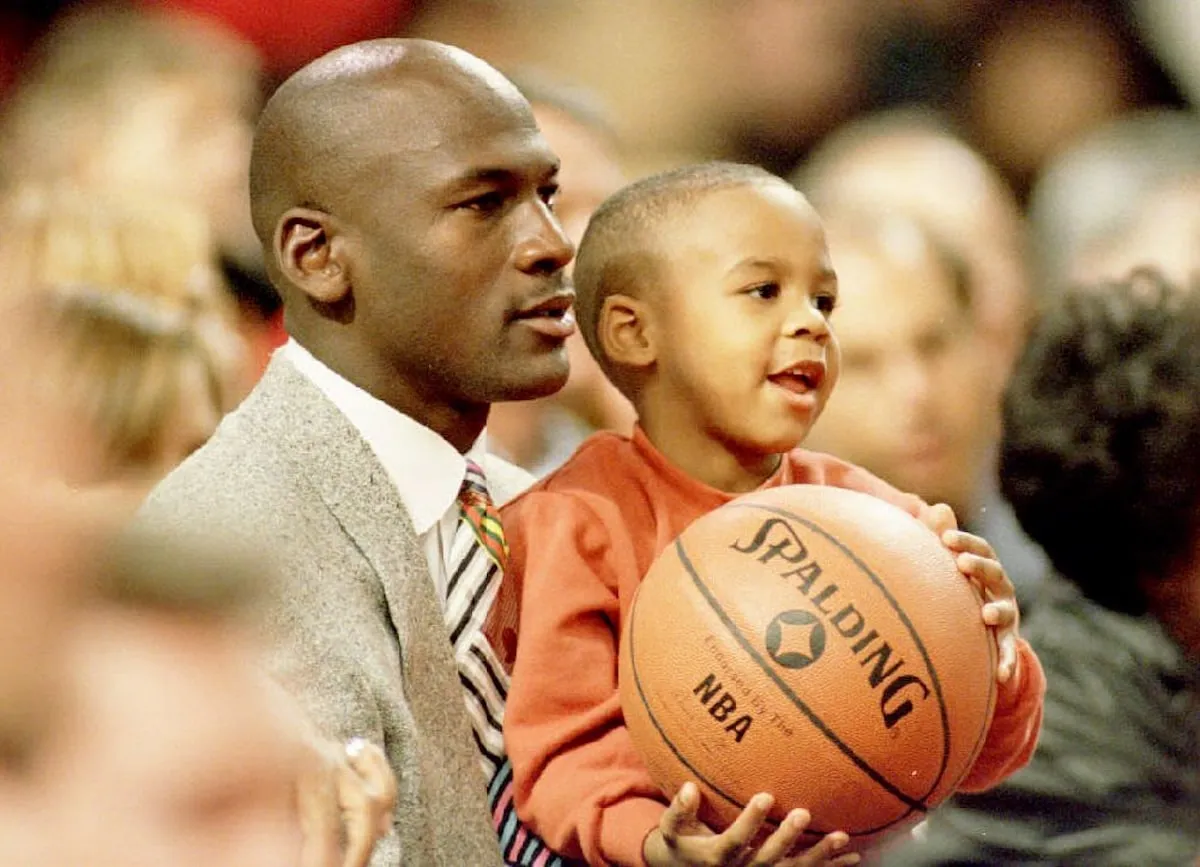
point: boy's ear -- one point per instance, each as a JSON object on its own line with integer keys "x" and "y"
{"x": 309, "y": 253}
{"x": 625, "y": 331}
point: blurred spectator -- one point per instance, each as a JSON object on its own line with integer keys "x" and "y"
{"x": 130, "y": 243}
{"x": 539, "y": 434}
{"x": 1094, "y": 212}
{"x": 138, "y": 373}
{"x": 115, "y": 99}
{"x": 914, "y": 402}
{"x": 910, "y": 162}
{"x": 1048, "y": 71}
{"x": 1101, "y": 460}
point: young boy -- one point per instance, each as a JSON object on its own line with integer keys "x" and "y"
{"x": 705, "y": 294}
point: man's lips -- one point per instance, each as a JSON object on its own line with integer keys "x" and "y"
{"x": 550, "y": 315}
{"x": 800, "y": 378}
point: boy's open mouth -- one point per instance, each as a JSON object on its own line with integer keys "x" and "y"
{"x": 800, "y": 378}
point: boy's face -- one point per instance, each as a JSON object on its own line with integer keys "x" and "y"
{"x": 745, "y": 357}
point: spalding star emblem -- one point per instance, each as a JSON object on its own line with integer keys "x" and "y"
{"x": 795, "y": 639}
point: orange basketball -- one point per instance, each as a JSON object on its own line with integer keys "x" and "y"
{"x": 815, "y": 643}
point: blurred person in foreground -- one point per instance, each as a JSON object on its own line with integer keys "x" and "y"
{"x": 173, "y": 747}
{"x": 540, "y": 434}
{"x": 100, "y": 395}
{"x": 1101, "y": 460}
{"x": 915, "y": 404}
{"x": 404, "y": 199}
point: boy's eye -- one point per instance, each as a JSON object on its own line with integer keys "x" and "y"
{"x": 766, "y": 291}
{"x": 825, "y": 302}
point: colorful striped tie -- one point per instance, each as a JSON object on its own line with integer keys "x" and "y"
{"x": 478, "y": 554}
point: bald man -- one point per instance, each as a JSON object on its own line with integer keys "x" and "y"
{"x": 402, "y": 194}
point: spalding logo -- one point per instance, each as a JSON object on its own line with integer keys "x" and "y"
{"x": 795, "y": 639}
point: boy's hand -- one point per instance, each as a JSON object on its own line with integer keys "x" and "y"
{"x": 977, "y": 561}
{"x": 682, "y": 840}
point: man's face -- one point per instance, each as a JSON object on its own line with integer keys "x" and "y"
{"x": 456, "y": 259}
{"x": 913, "y": 404}
{"x": 173, "y": 752}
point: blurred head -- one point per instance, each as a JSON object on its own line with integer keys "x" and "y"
{"x": 913, "y": 404}
{"x": 173, "y": 750}
{"x": 122, "y": 97}
{"x": 132, "y": 244}
{"x": 705, "y": 294}
{"x": 137, "y": 373}
{"x": 1101, "y": 448}
{"x": 403, "y": 195}
{"x": 1096, "y": 196}
{"x": 908, "y": 162}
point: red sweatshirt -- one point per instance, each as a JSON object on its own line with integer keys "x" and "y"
{"x": 580, "y": 541}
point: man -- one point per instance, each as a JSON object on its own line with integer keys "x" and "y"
{"x": 402, "y": 193}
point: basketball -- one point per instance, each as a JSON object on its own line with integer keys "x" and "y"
{"x": 815, "y": 643}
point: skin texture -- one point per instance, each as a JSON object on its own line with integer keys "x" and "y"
{"x": 403, "y": 195}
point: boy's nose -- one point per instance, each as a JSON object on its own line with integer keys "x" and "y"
{"x": 805, "y": 320}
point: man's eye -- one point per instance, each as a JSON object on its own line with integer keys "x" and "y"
{"x": 548, "y": 194}
{"x": 486, "y": 203}
{"x": 765, "y": 291}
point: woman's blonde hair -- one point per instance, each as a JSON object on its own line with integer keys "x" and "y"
{"x": 118, "y": 361}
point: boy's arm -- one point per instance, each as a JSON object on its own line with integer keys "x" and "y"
{"x": 1017, "y": 720}
{"x": 578, "y": 781}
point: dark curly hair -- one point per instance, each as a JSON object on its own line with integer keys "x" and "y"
{"x": 1101, "y": 450}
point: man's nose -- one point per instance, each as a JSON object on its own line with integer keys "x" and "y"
{"x": 544, "y": 247}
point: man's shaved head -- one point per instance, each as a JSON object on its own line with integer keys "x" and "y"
{"x": 315, "y": 126}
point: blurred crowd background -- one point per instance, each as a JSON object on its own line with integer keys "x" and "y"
{"x": 972, "y": 158}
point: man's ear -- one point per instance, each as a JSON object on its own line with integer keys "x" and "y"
{"x": 308, "y": 251}
{"x": 626, "y": 332}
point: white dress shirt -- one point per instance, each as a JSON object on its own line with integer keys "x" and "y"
{"x": 425, "y": 469}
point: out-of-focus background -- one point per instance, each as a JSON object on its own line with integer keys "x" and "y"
{"x": 971, "y": 158}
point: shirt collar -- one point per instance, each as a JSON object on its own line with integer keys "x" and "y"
{"x": 426, "y": 471}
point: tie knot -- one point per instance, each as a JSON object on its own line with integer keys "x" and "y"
{"x": 474, "y": 487}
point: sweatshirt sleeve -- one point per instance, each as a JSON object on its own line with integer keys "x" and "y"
{"x": 578, "y": 781}
{"x": 1016, "y": 723}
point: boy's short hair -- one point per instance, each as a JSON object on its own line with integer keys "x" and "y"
{"x": 1101, "y": 450}
{"x": 620, "y": 253}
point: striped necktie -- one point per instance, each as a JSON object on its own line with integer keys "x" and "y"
{"x": 478, "y": 554}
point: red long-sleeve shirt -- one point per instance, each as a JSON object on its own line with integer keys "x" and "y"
{"x": 580, "y": 541}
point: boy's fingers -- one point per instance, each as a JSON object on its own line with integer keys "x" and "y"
{"x": 958, "y": 540}
{"x": 1000, "y": 614}
{"x": 821, "y": 854}
{"x": 940, "y": 519}
{"x": 681, "y": 810}
{"x": 987, "y": 571}
{"x": 1007, "y": 663}
{"x": 783, "y": 840}
{"x": 737, "y": 836}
